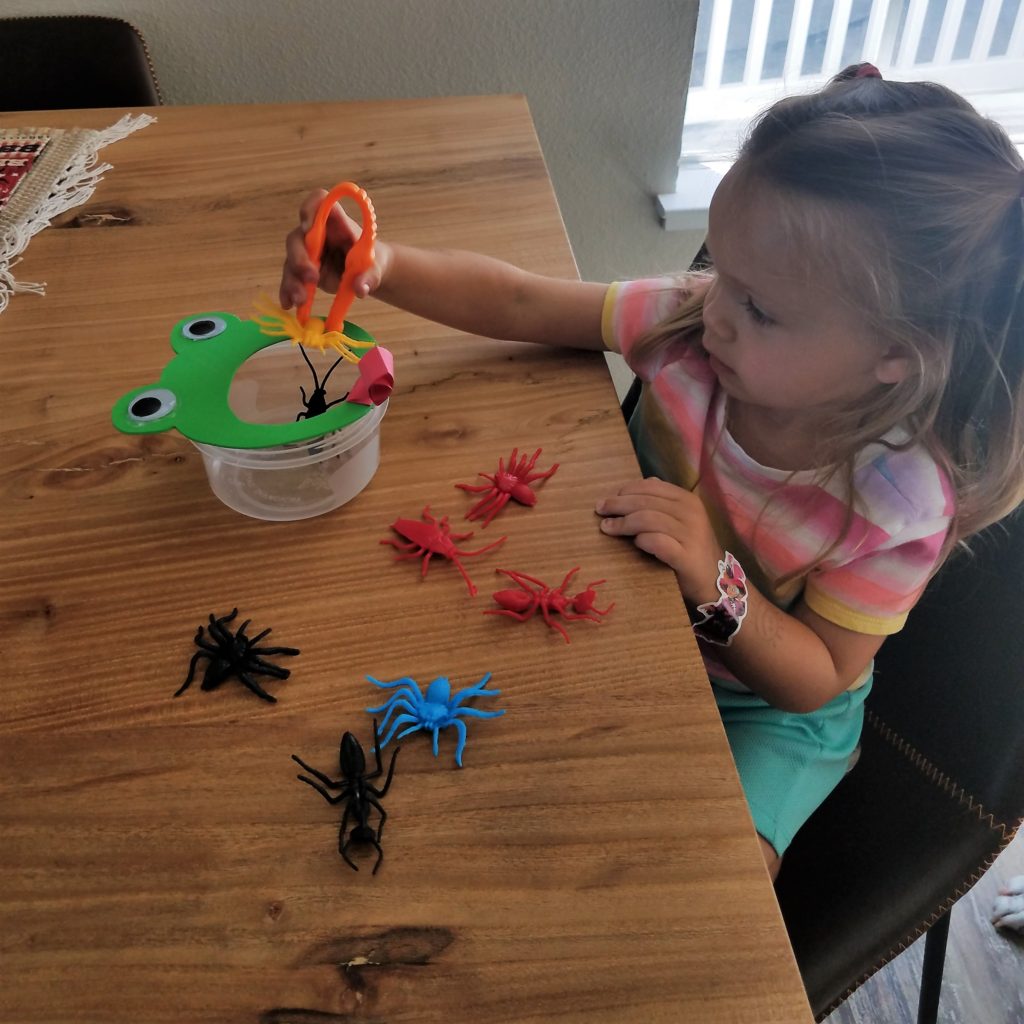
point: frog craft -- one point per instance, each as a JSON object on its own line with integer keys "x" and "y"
{"x": 191, "y": 395}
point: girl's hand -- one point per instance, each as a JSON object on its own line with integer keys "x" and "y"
{"x": 342, "y": 231}
{"x": 670, "y": 523}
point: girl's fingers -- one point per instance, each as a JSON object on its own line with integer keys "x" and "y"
{"x": 309, "y": 207}
{"x": 297, "y": 272}
{"x": 664, "y": 548}
{"x": 289, "y": 288}
{"x": 645, "y": 520}
{"x": 624, "y": 504}
{"x": 365, "y": 283}
{"x": 296, "y": 256}
{"x": 371, "y": 279}
{"x": 648, "y": 489}
{"x": 340, "y": 233}
{"x": 341, "y": 230}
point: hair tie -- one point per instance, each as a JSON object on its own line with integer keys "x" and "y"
{"x": 867, "y": 71}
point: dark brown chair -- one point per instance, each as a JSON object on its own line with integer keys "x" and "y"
{"x": 71, "y": 62}
{"x": 938, "y": 792}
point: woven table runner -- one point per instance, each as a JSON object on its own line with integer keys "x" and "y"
{"x": 43, "y": 172}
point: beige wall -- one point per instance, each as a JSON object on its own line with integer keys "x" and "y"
{"x": 605, "y": 81}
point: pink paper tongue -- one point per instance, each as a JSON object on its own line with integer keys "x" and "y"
{"x": 376, "y": 377}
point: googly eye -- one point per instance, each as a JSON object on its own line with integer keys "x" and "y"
{"x": 151, "y": 405}
{"x": 203, "y": 327}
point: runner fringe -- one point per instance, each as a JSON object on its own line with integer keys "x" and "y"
{"x": 73, "y": 187}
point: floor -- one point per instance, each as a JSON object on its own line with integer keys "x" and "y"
{"x": 983, "y": 982}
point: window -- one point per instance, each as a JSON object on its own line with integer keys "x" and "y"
{"x": 749, "y": 53}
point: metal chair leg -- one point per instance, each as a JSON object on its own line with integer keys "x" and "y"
{"x": 931, "y": 970}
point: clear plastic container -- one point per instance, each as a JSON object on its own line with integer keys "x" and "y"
{"x": 300, "y": 480}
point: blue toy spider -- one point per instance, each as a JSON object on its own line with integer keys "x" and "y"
{"x": 435, "y": 711}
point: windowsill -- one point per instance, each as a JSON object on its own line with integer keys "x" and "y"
{"x": 686, "y": 209}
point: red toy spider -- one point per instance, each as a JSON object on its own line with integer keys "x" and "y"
{"x": 506, "y": 483}
{"x": 430, "y": 536}
{"x": 522, "y": 604}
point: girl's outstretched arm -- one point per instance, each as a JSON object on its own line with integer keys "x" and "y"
{"x": 485, "y": 296}
{"x": 467, "y": 291}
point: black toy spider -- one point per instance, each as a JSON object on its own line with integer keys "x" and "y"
{"x": 317, "y": 402}
{"x": 234, "y": 654}
{"x": 356, "y": 790}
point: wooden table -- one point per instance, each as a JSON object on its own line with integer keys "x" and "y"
{"x": 593, "y": 860}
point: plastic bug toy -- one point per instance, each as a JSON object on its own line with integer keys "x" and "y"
{"x": 354, "y": 788}
{"x": 317, "y": 403}
{"x": 435, "y": 711}
{"x": 505, "y": 484}
{"x": 428, "y": 537}
{"x": 234, "y": 654}
{"x": 534, "y": 594}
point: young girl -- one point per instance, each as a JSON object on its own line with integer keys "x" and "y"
{"x": 825, "y": 414}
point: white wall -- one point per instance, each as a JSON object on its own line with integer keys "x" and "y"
{"x": 605, "y": 80}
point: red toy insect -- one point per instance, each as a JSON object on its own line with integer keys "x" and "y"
{"x": 522, "y": 604}
{"x": 513, "y": 482}
{"x": 428, "y": 537}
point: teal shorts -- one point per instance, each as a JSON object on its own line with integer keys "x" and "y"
{"x": 788, "y": 763}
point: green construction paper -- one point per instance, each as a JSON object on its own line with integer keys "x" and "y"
{"x": 193, "y": 390}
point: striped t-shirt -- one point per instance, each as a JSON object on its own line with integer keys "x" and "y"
{"x": 777, "y": 521}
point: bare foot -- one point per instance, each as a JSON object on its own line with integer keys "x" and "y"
{"x": 1008, "y": 909}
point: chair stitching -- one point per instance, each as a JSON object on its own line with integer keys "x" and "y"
{"x": 936, "y": 775}
{"x": 149, "y": 61}
{"x": 914, "y": 934}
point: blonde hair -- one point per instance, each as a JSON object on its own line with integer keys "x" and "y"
{"x": 929, "y": 198}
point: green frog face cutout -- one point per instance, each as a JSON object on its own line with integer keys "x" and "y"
{"x": 192, "y": 393}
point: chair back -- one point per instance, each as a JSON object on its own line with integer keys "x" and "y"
{"x": 74, "y": 61}
{"x": 939, "y": 788}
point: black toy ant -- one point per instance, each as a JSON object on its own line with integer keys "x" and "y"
{"x": 356, "y": 790}
{"x": 317, "y": 402}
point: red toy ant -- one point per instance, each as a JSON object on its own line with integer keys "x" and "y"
{"x": 429, "y": 536}
{"x": 522, "y": 604}
{"x": 506, "y": 483}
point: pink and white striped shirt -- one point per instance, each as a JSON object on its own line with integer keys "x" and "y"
{"x": 776, "y": 521}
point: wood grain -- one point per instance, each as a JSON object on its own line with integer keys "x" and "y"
{"x": 594, "y": 859}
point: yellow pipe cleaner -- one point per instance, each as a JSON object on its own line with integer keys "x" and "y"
{"x": 275, "y": 321}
